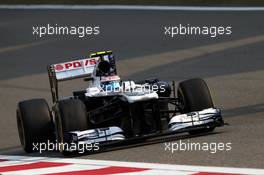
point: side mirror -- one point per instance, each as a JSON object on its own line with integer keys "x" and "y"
{"x": 88, "y": 79}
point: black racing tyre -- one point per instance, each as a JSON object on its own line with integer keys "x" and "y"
{"x": 71, "y": 117}
{"x": 195, "y": 96}
{"x": 34, "y": 123}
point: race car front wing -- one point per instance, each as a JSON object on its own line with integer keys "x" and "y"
{"x": 207, "y": 118}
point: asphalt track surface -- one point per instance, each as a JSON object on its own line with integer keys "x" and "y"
{"x": 231, "y": 65}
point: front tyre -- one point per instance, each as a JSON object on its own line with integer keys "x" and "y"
{"x": 194, "y": 95}
{"x": 71, "y": 117}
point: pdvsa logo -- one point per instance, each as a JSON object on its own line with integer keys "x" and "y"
{"x": 74, "y": 64}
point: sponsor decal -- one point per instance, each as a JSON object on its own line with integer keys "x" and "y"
{"x": 75, "y": 64}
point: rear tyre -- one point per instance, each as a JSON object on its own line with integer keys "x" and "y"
{"x": 71, "y": 117}
{"x": 195, "y": 96}
{"x": 34, "y": 123}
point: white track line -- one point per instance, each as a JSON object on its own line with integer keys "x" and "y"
{"x": 128, "y": 7}
{"x": 159, "y": 172}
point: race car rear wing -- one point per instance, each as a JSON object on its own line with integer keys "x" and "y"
{"x": 74, "y": 69}
{"x": 82, "y": 68}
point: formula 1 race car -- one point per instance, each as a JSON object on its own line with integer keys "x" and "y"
{"x": 114, "y": 111}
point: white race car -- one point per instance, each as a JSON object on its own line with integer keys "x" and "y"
{"x": 110, "y": 110}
